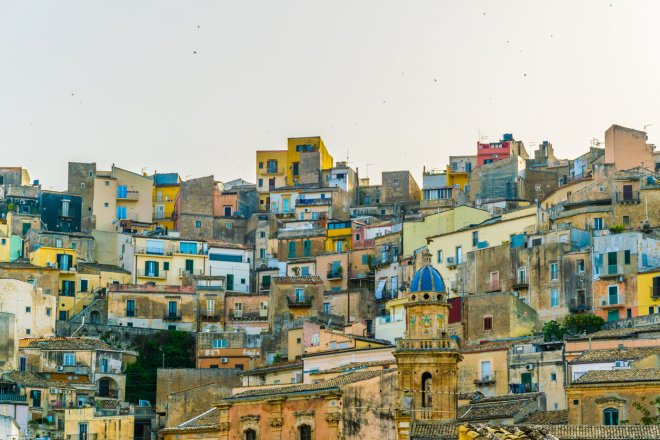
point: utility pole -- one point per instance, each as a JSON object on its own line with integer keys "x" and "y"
{"x": 163, "y": 360}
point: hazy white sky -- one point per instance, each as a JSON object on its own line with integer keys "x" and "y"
{"x": 401, "y": 84}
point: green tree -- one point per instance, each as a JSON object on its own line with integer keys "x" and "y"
{"x": 577, "y": 324}
{"x": 178, "y": 349}
{"x": 553, "y": 331}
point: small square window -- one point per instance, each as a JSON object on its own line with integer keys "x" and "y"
{"x": 576, "y": 402}
{"x": 242, "y": 280}
{"x": 107, "y": 183}
{"x": 27, "y": 331}
{"x": 298, "y": 341}
{"x": 82, "y": 185}
{"x": 488, "y": 323}
{"x": 4, "y": 241}
{"x": 28, "y": 309}
{"x": 198, "y": 224}
{"x": 106, "y": 205}
{"x": 49, "y": 311}
{"x": 129, "y": 324}
{"x": 553, "y": 377}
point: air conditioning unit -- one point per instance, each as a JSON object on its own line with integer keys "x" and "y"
{"x": 529, "y": 367}
{"x": 53, "y": 391}
{"x": 60, "y": 368}
{"x": 224, "y": 360}
{"x": 619, "y": 278}
{"x": 49, "y": 264}
{"x": 603, "y": 302}
{"x": 450, "y": 260}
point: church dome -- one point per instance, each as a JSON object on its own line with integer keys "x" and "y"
{"x": 427, "y": 279}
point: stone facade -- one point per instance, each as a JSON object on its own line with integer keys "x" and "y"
{"x": 498, "y": 315}
{"x": 399, "y": 187}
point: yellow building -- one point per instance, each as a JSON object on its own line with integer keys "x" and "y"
{"x": 134, "y": 196}
{"x": 90, "y": 278}
{"x": 65, "y": 261}
{"x": 304, "y": 145}
{"x": 648, "y": 292}
{"x": 459, "y": 178}
{"x": 166, "y": 189}
{"x": 165, "y": 260}
{"x": 450, "y": 249}
{"x": 415, "y": 232}
{"x": 91, "y": 423}
{"x": 271, "y": 172}
{"x": 339, "y": 237}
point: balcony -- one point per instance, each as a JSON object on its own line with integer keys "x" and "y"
{"x": 12, "y": 397}
{"x": 128, "y": 195}
{"x": 294, "y": 301}
{"x": 153, "y": 251}
{"x": 245, "y": 315}
{"x": 210, "y": 316}
{"x": 272, "y": 171}
{"x": 308, "y": 202}
{"x": 521, "y": 388}
{"x": 169, "y": 316}
{"x": 612, "y": 271}
{"x": 73, "y": 369}
{"x": 627, "y": 197}
{"x": 578, "y": 307}
{"x": 188, "y": 273}
{"x": 160, "y": 275}
{"x": 335, "y": 275}
{"x": 423, "y": 344}
{"x": 613, "y": 305}
{"x": 484, "y": 378}
{"x": 520, "y": 284}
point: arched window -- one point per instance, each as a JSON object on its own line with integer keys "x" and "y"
{"x": 250, "y": 434}
{"x": 305, "y": 432}
{"x": 427, "y": 386}
{"x": 610, "y": 416}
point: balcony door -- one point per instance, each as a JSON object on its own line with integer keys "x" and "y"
{"x": 171, "y": 308}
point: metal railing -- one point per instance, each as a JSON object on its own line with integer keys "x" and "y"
{"x": 294, "y": 301}
{"x": 169, "y": 316}
{"x": 129, "y": 195}
{"x": 423, "y": 344}
{"x": 335, "y": 275}
{"x": 12, "y": 397}
{"x": 521, "y": 388}
{"x": 307, "y": 202}
{"x": 628, "y": 197}
{"x": 143, "y": 273}
{"x": 247, "y": 315}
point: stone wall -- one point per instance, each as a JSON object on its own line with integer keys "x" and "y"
{"x": 174, "y": 380}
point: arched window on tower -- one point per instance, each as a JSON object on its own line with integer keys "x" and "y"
{"x": 427, "y": 387}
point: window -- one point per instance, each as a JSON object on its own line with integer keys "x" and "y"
{"x": 130, "y": 307}
{"x": 229, "y": 225}
{"x": 198, "y": 224}
{"x": 326, "y": 308}
{"x": 610, "y": 416}
{"x": 613, "y": 294}
{"x": 261, "y": 184}
{"x": 459, "y": 255}
{"x": 65, "y": 207}
{"x": 261, "y": 165}
{"x": 69, "y": 359}
{"x": 262, "y": 253}
{"x": 58, "y": 243}
{"x": 553, "y": 377}
{"x": 475, "y": 238}
{"x": 28, "y": 331}
{"x": 230, "y": 281}
{"x": 292, "y": 249}
{"x": 300, "y": 295}
{"x": 522, "y": 275}
{"x": 554, "y": 271}
{"x": 262, "y": 234}
{"x": 172, "y": 309}
{"x": 49, "y": 311}
{"x": 106, "y": 182}
{"x": 357, "y": 237}
{"x": 439, "y": 256}
{"x": 219, "y": 343}
{"x": 190, "y": 266}
{"x": 227, "y": 210}
{"x": 307, "y": 248}
{"x": 28, "y": 309}
{"x": 304, "y": 271}
{"x": 166, "y": 265}
{"x": 210, "y": 306}
{"x": 121, "y": 213}
{"x": 488, "y": 323}
{"x": 598, "y": 223}
{"x": 580, "y": 265}
{"x": 84, "y": 285}
{"x": 554, "y": 298}
{"x": 626, "y": 220}
{"x": 626, "y": 257}
{"x": 365, "y": 259}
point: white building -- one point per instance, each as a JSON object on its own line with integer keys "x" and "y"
{"x": 233, "y": 261}
{"x": 34, "y": 310}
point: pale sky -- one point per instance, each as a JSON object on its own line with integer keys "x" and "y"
{"x": 398, "y": 84}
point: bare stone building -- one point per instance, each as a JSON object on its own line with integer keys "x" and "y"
{"x": 399, "y": 187}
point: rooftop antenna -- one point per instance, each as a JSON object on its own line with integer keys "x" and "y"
{"x": 647, "y": 125}
{"x": 367, "y": 173}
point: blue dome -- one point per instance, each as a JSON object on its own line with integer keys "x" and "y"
{"x": 427, "y": 279}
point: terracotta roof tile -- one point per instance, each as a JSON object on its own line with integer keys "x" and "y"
{"x": 63, "y": 344}
{"x": 547, "y": 418}
{"x": 626, "y": 332}
{"x": 614, "y": 376}
{"x": 353, "y": 366}
{"x": 449, "y": 431}
{"x": 309, "y": 388}
{"x": 615, "y": 354}
{"x": 209, "y": 419}
{"x": 104, "y": 267}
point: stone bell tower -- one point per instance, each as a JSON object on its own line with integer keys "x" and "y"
{"x": 427, "y": 359}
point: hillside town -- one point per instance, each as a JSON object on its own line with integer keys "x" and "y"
{"x": 511, "y": 287}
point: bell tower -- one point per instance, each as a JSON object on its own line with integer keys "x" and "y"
{"x": 427, "y": 359}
